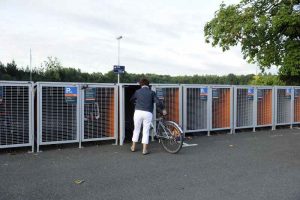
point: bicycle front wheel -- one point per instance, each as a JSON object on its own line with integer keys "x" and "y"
{"x": 173, "y": 139}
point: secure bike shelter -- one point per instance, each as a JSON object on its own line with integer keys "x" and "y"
{"x": 284, "y": 96}
{"x": 99, "y": 112}
{"x": 296, "y": 102}
{"x": 196, "y": 104}
{"x": 82, "y": 112}
{"x": 16, "y": 114}
{"x": 76, "y": 112}
{"x": 170, "y": 94}
{"x": 58, "y": 113}
{"x": 221, "y": 108}
{"x": 245, "y": 103}
{"x": 265, "y": 106}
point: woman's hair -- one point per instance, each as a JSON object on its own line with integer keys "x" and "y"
{"x": 144, "y": 81}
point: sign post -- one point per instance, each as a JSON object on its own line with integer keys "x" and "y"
{"x": 119, "y": 70}
{"x": 119, "y": 38}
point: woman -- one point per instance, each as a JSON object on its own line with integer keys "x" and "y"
{"x": 144, "y": 99}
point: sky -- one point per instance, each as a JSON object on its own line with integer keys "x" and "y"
{"x": 159, "y": 36}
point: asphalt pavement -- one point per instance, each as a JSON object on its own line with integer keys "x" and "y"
{"x": 243, "y": 166}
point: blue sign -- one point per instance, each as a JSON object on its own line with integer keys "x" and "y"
{"x": 119, "y": 69}
{"x": 203, "y": 93}
{"x": 160, "y": 94}
{"x": 90, "y": 95}
{"x": 260, "y": 94}
{"x": 215, "y": 93}
{"x": 71, "y": 94}
{"x": 1, "y": 94}
{"x": 250, "y": 93}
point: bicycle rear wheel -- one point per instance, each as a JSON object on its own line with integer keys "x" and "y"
{"x": 173, "y": 140}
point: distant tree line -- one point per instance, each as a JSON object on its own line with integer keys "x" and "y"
{"x": 52, "y": 70}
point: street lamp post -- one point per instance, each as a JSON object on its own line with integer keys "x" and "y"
{"x": 119, "y": 38}
{"x": 30, "y": 64}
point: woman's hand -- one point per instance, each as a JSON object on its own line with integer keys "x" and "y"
{"x": 164, "y": 112}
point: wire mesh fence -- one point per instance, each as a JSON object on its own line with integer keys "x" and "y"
{"x": 283, "y": 105}
{"x": 196, "y": 106}
{"x": 264, "y": 106}
{"x": 99, "y": 112}
{"x": 16, "y": 114}
{"x": 75, "y": 112}
{"x": 296, "y": 105}
{"x": 171, "y": 97}
{"x": 58, "y": 114}
{"x": 221, "y": 108}
{"x": 244, "y": 97}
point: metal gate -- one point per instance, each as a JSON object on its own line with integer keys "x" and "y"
{"x": 99, "y": 112}
{"x": 283, "y": 105}
{"x": 221, "y": 108}
{"x": 16, "y": 114}
{"x": 196, "y": 101}
{"x": 265, "y": 106}
{"x": 296, "y": 105}
{"x": 58, "y": 113}
{"x": 244, "y": 107}
{"x": 171, "y": 97}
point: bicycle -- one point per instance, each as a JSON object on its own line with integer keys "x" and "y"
{"x": 169, "y": 135}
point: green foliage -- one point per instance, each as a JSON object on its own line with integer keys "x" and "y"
{"x": 268, "y": 32}
{"x": 52, "y": 70}
{"x": 266, "y": 79}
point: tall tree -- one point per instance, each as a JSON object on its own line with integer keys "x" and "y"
{"x": 268, "y": 32}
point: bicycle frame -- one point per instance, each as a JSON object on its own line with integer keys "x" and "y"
{"x": 169, "y": 134}
{"x": 160, "y": 125}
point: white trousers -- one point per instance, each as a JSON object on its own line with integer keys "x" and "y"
{"x": 139, "y": 118}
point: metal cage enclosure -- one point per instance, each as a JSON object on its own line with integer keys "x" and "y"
{"x": 265, "y": 106}
{"x": 99, "y": 112}
{"x": 76, "y": 112}
{"x": 221, "y": 108}
{"x": 58, "y": 113}
{"x": 244, "y": 107}
{"x": 283, "y": 105}
{"x": 296, "y": 105}
{"x": 16, "y": 114}
{"x": 196, "y": 102}
{"x": 171, "y": 97}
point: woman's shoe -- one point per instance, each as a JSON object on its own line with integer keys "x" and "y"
{"x": 132, "y": 149}
{"x": 145, "y": 149}
{"x": 145, "y": 152}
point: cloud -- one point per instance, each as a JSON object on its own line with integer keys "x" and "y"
{"x": 163, "y": 37}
